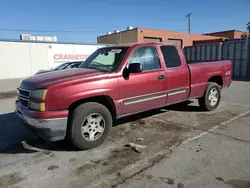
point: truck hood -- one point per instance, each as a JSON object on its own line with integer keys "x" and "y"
{"x": 44, "y": 71}
{"x": 46, "y": 79}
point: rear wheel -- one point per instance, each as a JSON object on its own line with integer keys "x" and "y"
{"x": 211, "y": 98}
{"x": 90, "y": 125}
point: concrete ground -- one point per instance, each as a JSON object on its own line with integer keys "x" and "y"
{"x": 185, "y": 148}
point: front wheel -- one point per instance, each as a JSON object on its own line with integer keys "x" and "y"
{"x": 90, "y": 125}
{"x": 211, "y": 98}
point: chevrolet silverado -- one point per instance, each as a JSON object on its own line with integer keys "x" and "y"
{"x": 114, "y": 82}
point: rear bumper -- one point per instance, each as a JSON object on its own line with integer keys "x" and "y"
{"x": 227, "y": 81}
{"x": 50, "y": 129}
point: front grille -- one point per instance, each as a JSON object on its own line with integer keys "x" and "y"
{"x": 24, "y": 102}
{"x": 24, "y": 93}
{"x": 23, "y": 96}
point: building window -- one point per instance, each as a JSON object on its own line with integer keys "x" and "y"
{"x": 175, "y": 41}
{"x": 171, "y": 56}
{"x": 152, "y": 39}
{"x": 147, "y": 56}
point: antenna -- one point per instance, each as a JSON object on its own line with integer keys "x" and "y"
{"x": 188, "y": 16}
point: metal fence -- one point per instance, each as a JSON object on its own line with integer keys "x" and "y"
{"x": 237, "y": 51}
{"x": 203, "y": 53}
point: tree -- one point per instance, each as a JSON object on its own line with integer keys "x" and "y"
{"x": 248, "y": 27}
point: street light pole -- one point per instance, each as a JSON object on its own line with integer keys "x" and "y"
{"x": 189, "y": 27}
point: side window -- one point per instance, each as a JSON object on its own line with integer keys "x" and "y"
{"x": 171, "y": 56}
{"x": 147, "y": 57}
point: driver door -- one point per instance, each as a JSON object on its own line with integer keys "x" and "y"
{"x": 145, "y": 90}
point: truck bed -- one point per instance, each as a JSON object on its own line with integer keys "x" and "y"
{"x": 200, "y": 72}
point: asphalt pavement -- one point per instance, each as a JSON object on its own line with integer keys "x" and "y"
{"x": 219, "y": 158}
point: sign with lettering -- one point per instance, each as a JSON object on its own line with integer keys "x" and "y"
{"x": 69, "y": 57}
{"x": 61, "y": 53}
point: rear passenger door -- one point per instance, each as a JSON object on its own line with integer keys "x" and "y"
{"x": 177, "y": 75}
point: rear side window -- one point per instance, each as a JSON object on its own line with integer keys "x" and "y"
{"x": 171, "y": 56}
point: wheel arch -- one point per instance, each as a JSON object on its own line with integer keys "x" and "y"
{"x": 105, "y": 100}
{"x": 216, "y": 79}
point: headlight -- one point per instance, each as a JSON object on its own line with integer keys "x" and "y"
{"x": 37, "y": 106}
{"x": 37, "y": 100}
{"x": 39, "y": 94}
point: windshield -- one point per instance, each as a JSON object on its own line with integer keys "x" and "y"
{"x": 105, "y": 59}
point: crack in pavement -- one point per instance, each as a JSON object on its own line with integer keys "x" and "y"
{"x": 163, "y": 155}
{"x": 227, "y": 136}
{"x": 140, "y": 171}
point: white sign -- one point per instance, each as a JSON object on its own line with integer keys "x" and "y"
{"x": 61, "y": 53}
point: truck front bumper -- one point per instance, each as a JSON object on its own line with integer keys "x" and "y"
{"x": 45, "y": 124}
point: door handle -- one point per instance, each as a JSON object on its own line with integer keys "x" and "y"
{"x": 161, "y": 77}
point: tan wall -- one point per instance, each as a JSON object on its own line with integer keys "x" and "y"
{"x": 229, "y": 34}
{"x": 186, "y": 38}
{"x": 116, "y": 38}
{"x": 238, "y": 34}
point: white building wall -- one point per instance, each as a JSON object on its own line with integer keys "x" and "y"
{"x": 38, "y": 57}
{"x": 23, "y": 59}
{"x": 14, "y": 60}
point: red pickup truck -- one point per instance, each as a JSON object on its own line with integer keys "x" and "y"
{"x": 114, "y": 82}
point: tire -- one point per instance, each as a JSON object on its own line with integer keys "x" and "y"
{"x": 81, "y": 126}
{"x": 205, "y": 101}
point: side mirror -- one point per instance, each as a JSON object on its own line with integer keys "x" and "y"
{"x": 134, "y": 68}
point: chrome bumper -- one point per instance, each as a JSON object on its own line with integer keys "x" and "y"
{"x": 48, "y": 129}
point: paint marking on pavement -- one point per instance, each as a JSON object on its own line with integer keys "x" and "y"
{"x": 215, "y": 127}
{"x": 235, "y": 104}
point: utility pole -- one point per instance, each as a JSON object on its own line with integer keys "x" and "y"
{"x": 189, "y": 27}
{"x": 248, "y": 32}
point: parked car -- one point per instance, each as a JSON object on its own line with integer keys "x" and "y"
{"x": 114, "y": 82}
{"x": 62, "y": 66}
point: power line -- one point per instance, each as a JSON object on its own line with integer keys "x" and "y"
{"x": 48, "y": 31}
